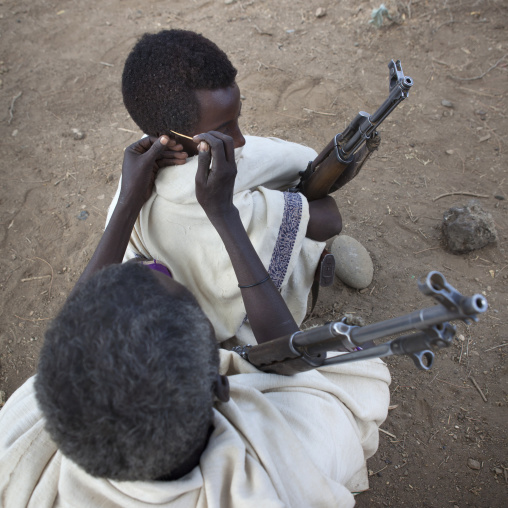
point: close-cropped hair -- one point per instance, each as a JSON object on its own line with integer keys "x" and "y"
{"x": 126, "y": 376}
{"x": 161, "y": 76}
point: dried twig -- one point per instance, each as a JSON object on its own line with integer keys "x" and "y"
{"x": 480, "y": 92}
{"x": 461, "y": 194}
{"x": 35, "y": 278}
{"x": 52, "y": 273}
{"x": 425, "y": 250}
{"x": 319, "y": 112}
{"x": 481, "y": 75}
{"x": 478, "y": 388}
{"x": 261, "y": 64}
{"x": 32, "y": 320}
{"x": 262, "y": 32}
{"x": 387, "y": 433}
{"x": 372, "y": 473}
{"x": 497, "y": 347}
{"x": 11, "y": 109}
{"x": 451, "y": 384}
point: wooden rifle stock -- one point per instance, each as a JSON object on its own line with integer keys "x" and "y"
{"x": 325, "y": 170}
{"x": 322, "y": 175}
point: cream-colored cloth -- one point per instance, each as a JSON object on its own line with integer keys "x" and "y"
{"x": 293, "y": 442}
{"x": 173, "y": 228}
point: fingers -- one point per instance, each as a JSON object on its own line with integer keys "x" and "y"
{"x": 204, "y": 159}
{"x": 229, "y": 145}
{"x": 222, "y": 145}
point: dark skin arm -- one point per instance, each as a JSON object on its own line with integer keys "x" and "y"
{"x": 142, "y": 161}
{"x": 268, "y": 313}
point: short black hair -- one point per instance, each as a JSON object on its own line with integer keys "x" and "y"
{"x": 126, "y": 376}
{"x": 161, "y": 76}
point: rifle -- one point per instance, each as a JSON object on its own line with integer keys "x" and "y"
{"x": 309, "y": 349}
{"x": 317, "y": 180}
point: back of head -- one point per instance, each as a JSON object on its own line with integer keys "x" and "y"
{"x": 125, "y": 377}
{"x": 163, "y": 72}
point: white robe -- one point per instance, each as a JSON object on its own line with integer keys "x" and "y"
{"x": 173, "y": 228}
{"x": 294, "y": 442}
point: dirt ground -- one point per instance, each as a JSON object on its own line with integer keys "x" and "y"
{"x": 63, "y": 129}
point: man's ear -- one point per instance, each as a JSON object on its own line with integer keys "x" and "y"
{"x": 221, "y": 388}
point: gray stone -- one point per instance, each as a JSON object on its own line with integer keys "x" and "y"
{"x": 446, "y": 104}
{"x": 473, "y": 464}
{"x": 468, "y": 228}
{"x": 353, "y": 265}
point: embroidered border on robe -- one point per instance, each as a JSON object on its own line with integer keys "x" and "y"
{"x": 288, "y": 230}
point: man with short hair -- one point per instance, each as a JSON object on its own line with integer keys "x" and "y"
{"x": 132, "y": 407}
{"x": 178, "y": 83}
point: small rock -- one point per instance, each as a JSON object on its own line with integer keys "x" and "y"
{"x": 2, "y": 398}
{"x": 498, "y": 196}
{"x": 83, "y": 215}
{"x": 481, "y": 113}
{"x": 77, "y": 134}
{"x": 320, "y": 12}
{"x": 450, "y": 152}
{"x": 446, "y": 104}
{"x": 498, "y": 470}
{"x": 14, "y": 133}
{"x": 243, "y": 97}
{"x": 352, "y": 320}
{"x": 473, "y": 464}
{"x": 468, "y": 228}
{"x": 229, "y": 2}
{"x": 353, "y": 265}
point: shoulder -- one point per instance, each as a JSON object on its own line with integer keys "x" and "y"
{"x": 19, "y": 414}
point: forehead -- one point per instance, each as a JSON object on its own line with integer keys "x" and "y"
{"x": 218, "y": 106}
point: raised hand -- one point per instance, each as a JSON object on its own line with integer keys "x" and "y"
{"x": 215, "y": 177}
{"x": 142, "y": 160}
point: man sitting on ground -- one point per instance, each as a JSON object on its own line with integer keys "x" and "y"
{"x": 130, "y": 408}
{"x": 178, "y": 83}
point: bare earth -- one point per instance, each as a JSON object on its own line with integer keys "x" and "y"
{"x": 303, "y": 79}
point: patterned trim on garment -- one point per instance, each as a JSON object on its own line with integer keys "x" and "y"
{"x": 288, "y": 230}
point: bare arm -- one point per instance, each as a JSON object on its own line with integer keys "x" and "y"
{"x": 142, "y": 161}
{"x": 268, "y": 313}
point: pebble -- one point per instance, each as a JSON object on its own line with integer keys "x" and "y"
{"x": 473, "y": 464}
{"x": 14, "y": 133}
{"x": 498, "y": 470}
{"x": 446, "y": 104}
{"x": 353, "y": 264}
{"x": 229, "y": 2}
{"x": 77, "y": 134}
{"x": 320, "y": 12}
{"x": 450, "y": 152}
{"x": 83, "y": 215}
{"x": 2, "y": 398}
